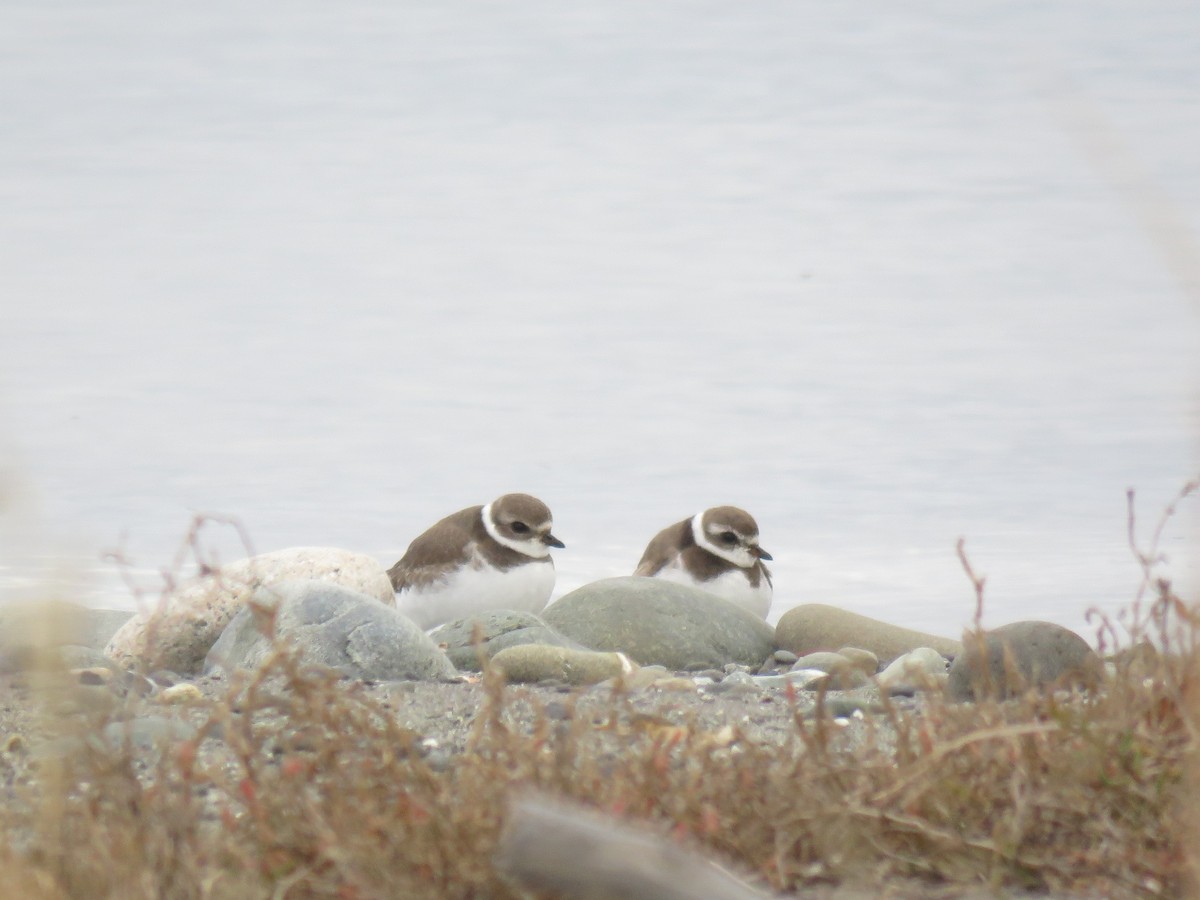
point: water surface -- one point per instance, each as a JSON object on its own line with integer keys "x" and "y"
{"x": 338, "y": 270}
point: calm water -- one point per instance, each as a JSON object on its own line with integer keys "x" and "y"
{"x": 340, "y": 269}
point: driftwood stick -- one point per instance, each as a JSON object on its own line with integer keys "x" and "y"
{"x": 555, "y": 846}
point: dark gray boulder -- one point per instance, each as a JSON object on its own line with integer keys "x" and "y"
{"x": 499, "y": 629}
{"x": 657, "y": 622}
{"x": 1023, "y": 655}
{"x": 336, "y": 627}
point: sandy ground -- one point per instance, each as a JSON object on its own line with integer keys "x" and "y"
{"x": 443, "y": 714}
{"x": 33, "y": 719}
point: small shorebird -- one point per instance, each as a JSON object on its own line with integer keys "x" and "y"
{"x": 717, "y": 551}
{"x": 495, "y": 556}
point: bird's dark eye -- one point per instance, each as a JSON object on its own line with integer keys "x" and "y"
{"x": 520, "y": 527}
{"x": 729, "y": 537}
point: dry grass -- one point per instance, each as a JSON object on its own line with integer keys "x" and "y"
{"x": 301, "y": 785}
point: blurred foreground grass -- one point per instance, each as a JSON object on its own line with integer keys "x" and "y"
{"x": 301, "y": 785}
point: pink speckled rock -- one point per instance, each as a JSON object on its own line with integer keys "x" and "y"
{"x": 179, "y": 636}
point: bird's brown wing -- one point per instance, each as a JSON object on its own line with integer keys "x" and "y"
{"x": 435, "y": 550}
{"x": 664, "y": 547}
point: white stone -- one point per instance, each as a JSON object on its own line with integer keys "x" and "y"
{"x": 178, "y": 634}
{"x": 915, "y": 670}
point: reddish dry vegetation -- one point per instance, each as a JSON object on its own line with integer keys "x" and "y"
{"x": 301, "y": 786}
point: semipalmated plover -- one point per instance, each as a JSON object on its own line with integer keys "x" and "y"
{"x": 484, "y": 557}
{"x": 717, "y": 551}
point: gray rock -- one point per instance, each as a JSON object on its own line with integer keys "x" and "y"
{"x": 29, "y": 629}
{"x": 498, "y": 629}
{"x": 658, "y": 622}
{"x": 816, "y": 626}
{"x": 179, "y": 636}
{"x": 920, "y": 669}
{"x": 531, "y": 663}
{"x": 182, "y": 694}
{"x": 1020, "y": 656}
{"x": 336, "y": 627}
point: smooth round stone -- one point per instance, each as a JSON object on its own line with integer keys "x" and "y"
{"x": 862, "y": 659}
{"x": 818, "y": 626}
{"x": 658, "y": 622}
{"x": 531, "y": 663}
{"x": 183, "y": 694}
{"x": 329, "y": 625}
{"x": 1043, "y": 654}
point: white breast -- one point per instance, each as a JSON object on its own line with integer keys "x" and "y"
{"x": 733, "y": 586}
{"x": 478, "y": 588}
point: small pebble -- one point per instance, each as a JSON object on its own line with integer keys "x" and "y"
{"x": 181, "y": 694}
{"x": 862, "y": 659}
